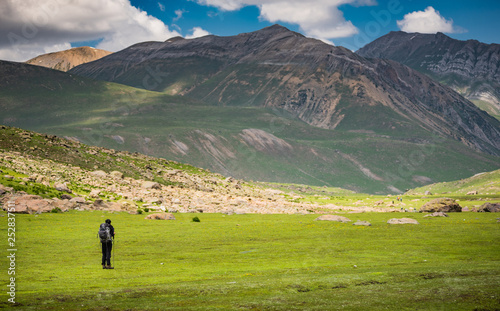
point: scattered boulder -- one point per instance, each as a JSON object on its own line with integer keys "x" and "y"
{"x": 66, "y": 197}
{"x": 99, "y": 204}
{"x": 151, "y": 185}
{"x": 128, "y": 205}
{"x": 427, "y": 193}
{"x": 401, "y": 221}
{"x": 437, "y": 214}
{"x": 62, "y": 187}
{"x": 161, "y": 216}
{"x": 94, "y": 193}
{"x": 8, "y": 177}
{"x": 99, "y": 174}
{"x": 333, "y": 218}
{"x": 78, "y": 200}
{"x": 474, "y": 192}
{"x": 446, "y": 205}
{"x": 362, "y": 223}
{"x": 489, "y": 207}
{"x": 28, "y": 204}
{"x": 116, "y": 175}
{"x": 465, "y": 209}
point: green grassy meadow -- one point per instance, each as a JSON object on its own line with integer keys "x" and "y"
{"x": 256, "y": 262}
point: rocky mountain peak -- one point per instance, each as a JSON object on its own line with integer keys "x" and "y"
{"x": 469, "y": 67}
{"x": 67, "y": 59}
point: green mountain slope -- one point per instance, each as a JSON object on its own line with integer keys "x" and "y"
{"x": 254, "y": 143}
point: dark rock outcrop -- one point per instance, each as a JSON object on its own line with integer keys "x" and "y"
{"x": 489, "y": 208}
{"x": 445, "y": 205}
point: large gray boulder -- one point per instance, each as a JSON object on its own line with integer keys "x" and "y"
{"x": 446, "y": 205}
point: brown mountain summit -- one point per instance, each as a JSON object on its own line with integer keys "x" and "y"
{"x": 65, "y": 60}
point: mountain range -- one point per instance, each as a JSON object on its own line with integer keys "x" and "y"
{"x": 66, "y": 60}
{"x": 270, "y": 105}
{"x": 469, "y": 67}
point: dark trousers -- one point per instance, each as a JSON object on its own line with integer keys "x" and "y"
{"x": 106, "y": 252}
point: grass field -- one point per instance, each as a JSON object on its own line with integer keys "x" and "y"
{"x": 256, "y": 262}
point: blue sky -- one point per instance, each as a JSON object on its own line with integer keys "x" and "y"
{"x": 479, "y": 20}
{"x": 32, "y": 27}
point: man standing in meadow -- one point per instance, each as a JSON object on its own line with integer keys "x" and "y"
{"x": 107, "y": 235}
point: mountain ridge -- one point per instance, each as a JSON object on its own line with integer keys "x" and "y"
{"x": 321, "y": 84}
{"x": 470, "y": 67}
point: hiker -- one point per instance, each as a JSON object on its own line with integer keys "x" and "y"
{"x": 107, "y": 235}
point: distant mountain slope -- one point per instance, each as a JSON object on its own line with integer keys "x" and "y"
{"x": 326, "y": 86}
{"x": 470, "y": 67}
{"x": 378, "y": 144}
{"x": 66, "y": 60}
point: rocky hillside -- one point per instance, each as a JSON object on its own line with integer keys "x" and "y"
{"x": 470, "y": 67}
{"x": 326, "y": 86}
{"x": 66, "y": 60}
{"x": 44, "y": 173}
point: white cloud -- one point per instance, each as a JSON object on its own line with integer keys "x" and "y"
{"x": 161, "y": 6}
{"x": 197, "y": 32}
{"x": 427, "y": 21}
{"x": 178, "y": 15}
{"x": 32, "y": 27}
{"x": 316, "y": 18}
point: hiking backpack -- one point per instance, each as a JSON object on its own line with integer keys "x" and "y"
{"x": 104, "y": 233}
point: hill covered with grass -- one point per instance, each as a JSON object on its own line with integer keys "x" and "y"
{"x": 481, "y": 183}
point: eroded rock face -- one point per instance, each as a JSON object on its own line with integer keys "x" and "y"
{"x": 446, "y": 205}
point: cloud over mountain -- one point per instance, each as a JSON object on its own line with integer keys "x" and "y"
{"x": 427, "y": 21}
{"x": 317, "y": 18}
{"x": 32, "y": 27}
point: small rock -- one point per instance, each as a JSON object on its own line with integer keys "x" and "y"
{"x": 161, "y": 216}
{"x": 362, "y": 223}
{"x": 94, "y": 193}
{"x": 474, "y": 192}
{"x": 78, "y": 200}
{"x": 99, "y": 174}
{"x": 437, "y": 214}
{"x": 427, "y": 193}
{"x": 66, "y": 197}
{"x": 8, "y": 177}
{"x": 400, "y": 221}
{"x": 333, "y": 218}
{"x": 151, "y": 185}
{"x": 62, "y": 187}
{"x": 116, "y": 175}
